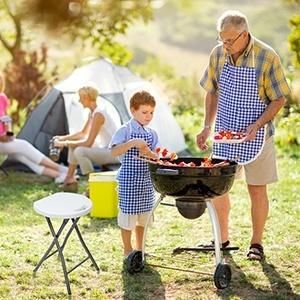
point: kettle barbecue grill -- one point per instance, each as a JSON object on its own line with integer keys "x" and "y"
{"x": 193, "y": 189}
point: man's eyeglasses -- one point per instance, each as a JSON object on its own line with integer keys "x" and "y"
{"x": 229, "y": 42}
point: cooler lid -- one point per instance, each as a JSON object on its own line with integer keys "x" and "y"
{"x": 103, "y": 176}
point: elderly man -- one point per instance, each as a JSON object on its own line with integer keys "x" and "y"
{"x": 245, "y": 88}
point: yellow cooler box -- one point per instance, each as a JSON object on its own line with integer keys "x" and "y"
{"x": 103, "y": 193}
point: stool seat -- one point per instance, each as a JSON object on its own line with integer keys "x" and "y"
{"x": 63, "y": 205}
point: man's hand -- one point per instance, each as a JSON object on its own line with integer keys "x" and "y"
{"x": 201, "y": 139}
{"x": 251, "y": 131}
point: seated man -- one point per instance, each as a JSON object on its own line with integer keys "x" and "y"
{"x": 90, "y": 145}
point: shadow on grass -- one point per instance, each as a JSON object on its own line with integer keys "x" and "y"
{"x": 242, "y": 288}
{"x": 97, "y": 224}
{"x": 144, "y": 285}
{"x": 279, "y": 285}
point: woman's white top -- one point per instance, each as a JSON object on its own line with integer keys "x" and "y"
{"x": 107, "y": 130}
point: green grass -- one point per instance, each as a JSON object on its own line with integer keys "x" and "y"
{"x": 24, "y": 236}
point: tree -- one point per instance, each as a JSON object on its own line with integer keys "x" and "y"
{"x": 25, "y": 71}
{"x": 294, "y": 36}
{"x": 94, "y": 23}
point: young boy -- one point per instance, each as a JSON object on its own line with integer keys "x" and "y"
{"x": 136, "y": 193}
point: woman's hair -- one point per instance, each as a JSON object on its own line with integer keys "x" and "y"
{"x": 89, "y": 91}
{"x": 2, "y": 82}
{"x": 141, "y": 98}
{"x": 232, "y": 18}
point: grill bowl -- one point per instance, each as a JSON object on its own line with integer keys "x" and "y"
{"x": 198, "y": 183}
{"x": 190, "y": 208}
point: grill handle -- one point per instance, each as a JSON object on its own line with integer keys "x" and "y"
{"x": 167, "y": 172}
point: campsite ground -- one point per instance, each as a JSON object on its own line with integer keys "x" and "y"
{"x": 24, "y": 236}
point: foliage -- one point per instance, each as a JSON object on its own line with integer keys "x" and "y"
{"x": 294, "y": 38}
{"x": 19, "y": 115}
{"x": 287, "y": 133}
{"x": 191, "y": 122}
{"x": 193, "y": 26}
{"x": 154, "y": 67}
{"x": 184, "y": 91}
{"x": 25, "y": 79}
{"x": 94, "y": 23}
{"x": 25, "y": 73}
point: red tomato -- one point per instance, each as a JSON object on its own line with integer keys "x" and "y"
{"x": 228, "y": 135}
{"x": 217, "y": 136}
{"x": 222, "y": 132}
{"x": 164, "y": 152}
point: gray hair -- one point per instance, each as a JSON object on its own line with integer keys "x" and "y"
{"x": 232, "y": 18}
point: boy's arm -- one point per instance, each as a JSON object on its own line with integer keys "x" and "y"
{"x": 120, "y": 149}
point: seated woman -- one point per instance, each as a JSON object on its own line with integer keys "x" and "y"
{"x": 21, "y": 150}
{"x": 90, "y": 145}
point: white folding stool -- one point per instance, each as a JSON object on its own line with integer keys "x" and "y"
{"x": 67, "y": 206}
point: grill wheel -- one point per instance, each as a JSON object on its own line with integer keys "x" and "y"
{"x": 134, "y": 262}
{"x": 222, "y": 276}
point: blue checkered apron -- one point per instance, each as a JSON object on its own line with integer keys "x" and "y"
{"x": 136, "y": 193}
{"x": 239, "y": 106}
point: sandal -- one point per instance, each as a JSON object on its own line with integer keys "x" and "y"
{"x": 256, "y": 252}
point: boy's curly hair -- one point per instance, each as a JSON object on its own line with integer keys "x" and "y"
{"x": 142, "y": 98}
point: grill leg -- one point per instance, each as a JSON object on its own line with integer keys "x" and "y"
{"x": 216, "y": 230}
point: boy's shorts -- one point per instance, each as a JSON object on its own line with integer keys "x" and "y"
{"x": 128, "y": 222}
{"x": 263, "y": 170}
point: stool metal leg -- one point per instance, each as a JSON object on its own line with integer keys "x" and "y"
{"x": 69, "y": 232}
{"x": 60, "y": 248}
{"x": 60, "y": 254}
{"x": 84, "y": 245}
{"x": 47, "y": 255}
{"x": 4, "y": 171}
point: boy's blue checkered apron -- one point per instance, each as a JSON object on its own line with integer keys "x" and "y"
{"x": 136, "y": 193}
{"x": 239, "y": 106}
